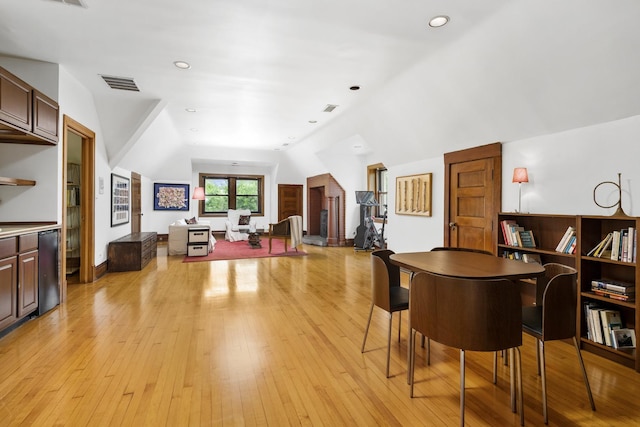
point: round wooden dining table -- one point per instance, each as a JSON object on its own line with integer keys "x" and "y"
{"x": 467, "y": 265}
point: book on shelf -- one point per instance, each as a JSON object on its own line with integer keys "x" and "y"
{"x": 597, "y": 248}
{"x": 588, "y": 306}
{"x": 531, "y": 258}
{"x": 527, "y": 240}
{"x": 611, "y": 320}
{"x": 562, "y": 245}
{"x": 605, "y": 247}
{"x": 614, "y": 290}
{"x": 596, "y": 324}
{"x": 623, "y": 338}
{"x": 615, "y": 245}
{"x": 506, "y": 233}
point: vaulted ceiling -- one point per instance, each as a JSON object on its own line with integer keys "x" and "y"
{"x": 262, "y": 72}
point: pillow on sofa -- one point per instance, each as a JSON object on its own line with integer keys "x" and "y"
{"x": 244, "y": 220}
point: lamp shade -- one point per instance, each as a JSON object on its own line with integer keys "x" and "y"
{"x": 198, "y": 193}
{"x": 520, "y": 175}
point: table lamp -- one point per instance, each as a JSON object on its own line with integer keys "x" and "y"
{"x": 520, "y": 175}
{"x": 198, "y": 193}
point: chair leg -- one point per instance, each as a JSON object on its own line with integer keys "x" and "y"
{"x": 545, "y": 414}
{"x": 270, "y": 252}
{"x": 428, "y": 351}
{"x": 389, "y": 343}
{"x": 518, "y": 362}
{"x": 399, "y": 324}
{"x": 538, "y": 355}
{"x": 495, "y": 367}
{"x": 461, "y": 388}
{"x": 366, "y": 330}
{"x": 584, "y": 373}
{"x": 412, "y": 364}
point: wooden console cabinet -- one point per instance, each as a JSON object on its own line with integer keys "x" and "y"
{"x": 132, "y": 252}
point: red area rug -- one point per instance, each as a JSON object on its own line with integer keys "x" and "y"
{"x": 241, "y": 250}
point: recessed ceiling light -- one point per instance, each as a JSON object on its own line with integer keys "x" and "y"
{"x": 438, "y": 21}
{"x": 194, "y": 129}
{"x": 190, "y": 110}
{"x": 182, "y": 65}
{"x": 313, "y": 121}
{"x": 286, "y": 144}
{"x": 354, "y": 88}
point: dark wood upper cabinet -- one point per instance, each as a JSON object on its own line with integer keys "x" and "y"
{"x": 26, "y": 115}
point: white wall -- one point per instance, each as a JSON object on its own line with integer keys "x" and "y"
{"x": 564, "y": 168}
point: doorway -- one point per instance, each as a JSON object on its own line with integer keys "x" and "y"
{"x": 136, "y": 208}
{"x": 473, "y": 197}
{"x": 289, "y": 200}
{"x": 78, "y": 148}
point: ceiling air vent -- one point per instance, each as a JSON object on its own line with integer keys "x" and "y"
{"x": 121, "y": 83}
{"x": 72, "y": 2}
{"x": 329, "y": 108}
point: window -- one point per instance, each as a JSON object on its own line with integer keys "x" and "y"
{"x": 377, "y": 182}
{"x": 223, "y": 192}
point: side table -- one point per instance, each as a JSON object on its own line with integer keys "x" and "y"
{"x": 254, "y": 240}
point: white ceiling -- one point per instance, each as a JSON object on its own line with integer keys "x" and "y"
{"x": 262, "y": 69}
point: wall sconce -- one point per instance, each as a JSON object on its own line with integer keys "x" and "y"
{"x": 198, "y": 193}
{"x": 520, "y": 175}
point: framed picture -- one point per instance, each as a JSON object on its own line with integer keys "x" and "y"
{"x": 120, "y": 191}
{"x": 623, "y": 338}
{"x": 170, "y": 197}
{"x": 413, "y": 195}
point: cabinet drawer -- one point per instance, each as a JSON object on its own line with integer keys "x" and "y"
{"x": 198, "y": 235}
{"x": 28, "y": 242}
{"x": 197, "y": 249}
{"x": 8, "y": 247}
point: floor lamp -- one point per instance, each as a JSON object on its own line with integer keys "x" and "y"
{"x": 520, "y": 175}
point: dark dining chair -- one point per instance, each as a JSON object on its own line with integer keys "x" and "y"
{"x": 490, "y": 321}
{"x": 554, "y": 318}
{"x": 386, "y": 293}
{"x": 479, "y": 251}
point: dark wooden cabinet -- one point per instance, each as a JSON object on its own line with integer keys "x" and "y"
{"x": 45, "y": 117}
{"x": 26, "y": 115}
{"x": 132, "y": 252}
{"x": 27, "y": 274}
{"x": 8, "y": 279}
{"x": 16, "y": 99}
{"x": 18, "y": 278}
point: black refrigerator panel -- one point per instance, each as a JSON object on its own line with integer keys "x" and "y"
{"x": 48, "y": 271}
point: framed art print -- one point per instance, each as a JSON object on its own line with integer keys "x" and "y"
{"x": 170, "y": 197}
{"x": 120, "y": 192}
{"x": 413, "y": 195}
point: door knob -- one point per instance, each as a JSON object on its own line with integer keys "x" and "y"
{"x": 452, "y": 225}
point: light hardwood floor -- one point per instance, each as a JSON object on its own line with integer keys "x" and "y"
{"x": 273, "y": 341}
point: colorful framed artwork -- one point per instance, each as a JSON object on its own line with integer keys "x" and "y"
{"x": 120, "y": 191}
{"x": 170, "y": 197}
{"x": 413, "y": 195}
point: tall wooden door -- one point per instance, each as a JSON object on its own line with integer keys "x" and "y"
{"x": 289, "y": 200}
{"x": 473, "y": 197}
{"x": 136, "y": 210}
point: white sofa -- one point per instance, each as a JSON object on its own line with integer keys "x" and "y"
{"x": 179, "y": 236}
{"x": 235, "y": 232}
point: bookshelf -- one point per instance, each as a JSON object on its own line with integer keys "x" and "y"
{"x": 73, "y": 218}
{"x": 593, "y": 230}
{"x": 590, "y": 230}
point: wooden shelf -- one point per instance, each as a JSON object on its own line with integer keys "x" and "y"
{"x": 590, "y": 230}
{"x": 16, "y": 181}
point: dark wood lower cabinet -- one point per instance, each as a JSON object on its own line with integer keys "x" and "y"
{"x": 27, "y": 283}
{"x": 8, "y": 279}
{"x": 133, "y": 251}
